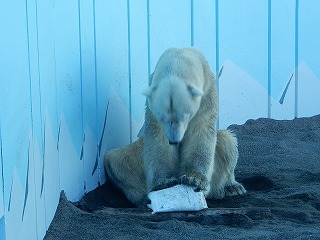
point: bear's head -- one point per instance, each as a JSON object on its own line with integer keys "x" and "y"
{"x": 173, "y": 101}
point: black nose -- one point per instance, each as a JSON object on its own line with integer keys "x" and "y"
{"x": 173, "y": 143}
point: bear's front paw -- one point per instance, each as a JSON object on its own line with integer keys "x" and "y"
{"x": 196, "y": 180}
{"x": 167, "y": 183}
{"x": 235, "y": 189}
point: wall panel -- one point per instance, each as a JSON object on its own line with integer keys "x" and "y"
{"x": 69, "y": 104}
{"x": 89, "y": 90}
{"x": 243, "y": 34}
{"x": 204, "y": 29}
{"x": 15, "y": 93}
{"x": 282, "y": 52}
{"x": 112, "y": 76}
{"x": 47, "y": 193}
{"x": 170, "y": 26}
{"x": 139, "y": 61}
{"x": 308, "y": 81}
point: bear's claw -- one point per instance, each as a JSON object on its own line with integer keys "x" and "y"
{"x": 235, "y": 189}
{"x": 196, "y": 180}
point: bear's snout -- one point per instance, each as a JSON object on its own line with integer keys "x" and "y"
{"x": 174, "y": 134}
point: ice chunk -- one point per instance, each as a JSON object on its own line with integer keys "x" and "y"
{"x": 177, "y": 199}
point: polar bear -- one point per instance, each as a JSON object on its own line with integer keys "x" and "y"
{"x": 180, "y": 143}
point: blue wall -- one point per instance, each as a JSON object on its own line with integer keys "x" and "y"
{"x": 72, "y": 73}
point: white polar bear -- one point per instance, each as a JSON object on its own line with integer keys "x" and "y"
{"x": 180, "y": 143}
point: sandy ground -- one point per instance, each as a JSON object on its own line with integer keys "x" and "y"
{"x": 279, "y": 165}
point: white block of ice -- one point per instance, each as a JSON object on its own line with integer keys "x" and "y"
{"x": 179, "y": 198}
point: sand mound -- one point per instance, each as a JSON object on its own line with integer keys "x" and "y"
{"x": 279, "y": 165}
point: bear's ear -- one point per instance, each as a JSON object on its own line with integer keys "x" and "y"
{"x": 195, "y": 91}
{"x": 148, "y": 92}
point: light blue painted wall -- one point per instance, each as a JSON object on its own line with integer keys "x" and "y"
{"x": 16, "y": 126}
{"x": 72, "y": 73}
{"x": 243, "y": 36}
{"x": 309, "y": 37}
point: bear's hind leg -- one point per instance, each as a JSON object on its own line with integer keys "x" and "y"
{"x": 124, "y": 167}
{"x": 223, "y": 181}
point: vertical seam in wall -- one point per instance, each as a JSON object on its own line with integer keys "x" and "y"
{"x": 148, "y": 35}
{"x": 43, "y": 162}
{"x": 217, "y": 53}
{"x": 31, "y": 115}
{"x": 29, "y": 67}
{"x": 40, "y": 99}
{"x": 81, "y": 94}
{"x": 55, "y": 80}
{"x": 296, "y": 75}
{"x": 56, "y": 110}
{"x": 269, "y": 58}
{"x": 96, "y": 86}
{"x": 38, "y": 59}
{"x": 129, "y": 69}
{"x": 95, "y": 62}
{"x": 80, "y": 62}
{"x": 192, "y": 22}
